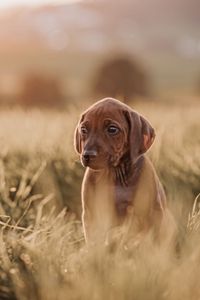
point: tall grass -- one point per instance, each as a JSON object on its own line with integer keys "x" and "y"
{"x": 42, "y": 251}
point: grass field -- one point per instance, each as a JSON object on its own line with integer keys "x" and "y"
{"x": 42, "y": 251}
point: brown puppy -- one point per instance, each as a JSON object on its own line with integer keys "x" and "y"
{"x": 120, "y": 187}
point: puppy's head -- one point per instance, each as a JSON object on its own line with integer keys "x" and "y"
{"x": 109, "y": 131}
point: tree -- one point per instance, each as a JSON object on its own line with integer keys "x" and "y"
{"x": 121, "y": 77}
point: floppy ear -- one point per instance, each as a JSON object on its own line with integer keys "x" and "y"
{"x": 77, "y": 138}
{"x": 148, "y": 135}
{"x": 140, "y": 136}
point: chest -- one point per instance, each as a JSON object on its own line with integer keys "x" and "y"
{"x": 123, "y": 199}
{"x": 105, "y": 197}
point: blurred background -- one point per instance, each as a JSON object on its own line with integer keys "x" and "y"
{"x": 54, "y": 53}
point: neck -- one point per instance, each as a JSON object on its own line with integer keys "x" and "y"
{"x": 126, "y": 172}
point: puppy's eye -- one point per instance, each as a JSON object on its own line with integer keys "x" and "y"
{"x": 83, "y": 130}
{"x": 113, "y": 130}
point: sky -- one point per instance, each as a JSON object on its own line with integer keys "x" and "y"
{"x": 12, "y": 3}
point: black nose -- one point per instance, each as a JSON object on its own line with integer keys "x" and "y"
{"x": 89, "y": 154}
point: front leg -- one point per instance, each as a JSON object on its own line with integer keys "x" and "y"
{"x": 87, "y": 223}
{"x": 99, "y": 213}
{"x": 88, "y": 199}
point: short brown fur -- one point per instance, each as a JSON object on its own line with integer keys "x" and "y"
{"x": 120, "y": 189}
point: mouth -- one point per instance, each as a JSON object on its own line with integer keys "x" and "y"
{"x": 94, "y": 163}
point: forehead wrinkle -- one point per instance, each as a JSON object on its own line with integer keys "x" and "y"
{"x": 99, "y": 114}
